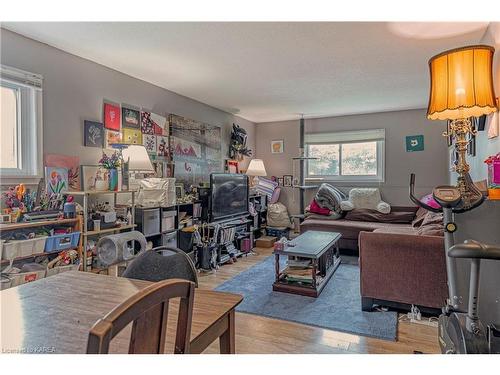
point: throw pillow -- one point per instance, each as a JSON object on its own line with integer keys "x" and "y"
{"x": 419, "y": 217}
{"x": 368, "y": 198}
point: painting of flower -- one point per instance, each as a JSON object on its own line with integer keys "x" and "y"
{"x": 70, "y": 163}
{"x": 56, "y": 180}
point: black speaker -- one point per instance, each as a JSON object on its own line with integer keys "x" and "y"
{"x": 204, "y": 197}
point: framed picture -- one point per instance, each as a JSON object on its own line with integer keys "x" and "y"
{"x": 158, "y": 166}
{"x": 71, "y": 163}
{"x": 179, "y": 191}
{"x": 56, "y": 179}
{"x": 232, "y": 166}
{"x": 90, "y": 175}
{"x": 287, "y": 180}
{"x": 93, "y": 134}
{"x": 170, "y": 170}
{"x": 112, "y": 137}
{"x": 277, "y": 147}
{"x": 132, "y": 136}
{"x": 160, "y": 124}
{"x": 414, "y": 143}
{"x": 146, "y": 123}
{"x": 162, "y": 146}
{"x": 131, "y": 118}
{"x": 280, "y": 181}
{"x": 149, "y": 142}
{"x": 112, "y": 118}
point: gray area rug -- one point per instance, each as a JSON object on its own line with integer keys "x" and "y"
{"x": 338, "y": 307}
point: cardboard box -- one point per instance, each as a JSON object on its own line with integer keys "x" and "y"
{"x": 265, "y": 241}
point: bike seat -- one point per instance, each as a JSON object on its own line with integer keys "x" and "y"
{"x": 474, "y": 249}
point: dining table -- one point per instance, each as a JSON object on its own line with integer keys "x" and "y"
{"x": 55, "y": 314}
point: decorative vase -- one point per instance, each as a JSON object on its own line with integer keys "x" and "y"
{"x": 113, "y": 179}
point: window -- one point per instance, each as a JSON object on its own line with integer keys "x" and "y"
{"x": 20, "y": 125}
{"x": 346, "y": 156}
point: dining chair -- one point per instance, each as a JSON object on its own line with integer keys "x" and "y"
{"x": 162, "y": 263}
{"x": 148, "y": 310}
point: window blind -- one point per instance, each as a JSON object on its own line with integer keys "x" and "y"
{"x": 21, "y": 77}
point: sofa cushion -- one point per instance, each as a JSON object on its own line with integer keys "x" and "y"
{"x": 397, "y": 230}
{"x": 399, "y": 217}
{"x": 348, "y": 228}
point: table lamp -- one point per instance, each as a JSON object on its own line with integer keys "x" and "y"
{"x": 138, "y": 161}
{"x": 256, "y": 168}
{"x": 461, "y": 88}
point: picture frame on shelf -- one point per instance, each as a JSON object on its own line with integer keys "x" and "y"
{"x": 277, "y": 146}
{"x": 179, "y": 191}
{"x": 232, "y": 166}
{"x": 280, "y": 181}
{"x": 170, "y": 169}
{"x": 287, "y": 180}
{"x": 93, "y": 178}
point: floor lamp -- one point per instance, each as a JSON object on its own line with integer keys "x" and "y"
{"x": 461, "y": 88}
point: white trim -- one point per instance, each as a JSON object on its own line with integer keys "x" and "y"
{"x": 377, "y": 135}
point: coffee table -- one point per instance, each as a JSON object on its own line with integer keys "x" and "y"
{"x": 322, "y": 249}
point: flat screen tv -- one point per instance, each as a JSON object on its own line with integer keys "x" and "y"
{"x": 229, "y": 196}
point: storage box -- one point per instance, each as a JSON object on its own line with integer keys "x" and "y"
{"x": 25, "y": 277}
{"x": 278, "y": 231}
{"x": 59, "y": 269}
{"x": 169, "y": 239}
{"x": 168, "y": 220}
{"x": 265, "y": 241}
{"x": 61, "y": 242}
{"x": 22, "y": 248}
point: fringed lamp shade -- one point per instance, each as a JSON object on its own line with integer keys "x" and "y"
{"x": 462, "y": 83}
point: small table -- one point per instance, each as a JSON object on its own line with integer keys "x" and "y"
{"x": 323, "y": 251}
{"x": 55, "y": 314}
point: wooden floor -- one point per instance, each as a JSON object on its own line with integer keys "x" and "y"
{"x": 261, "y": 335}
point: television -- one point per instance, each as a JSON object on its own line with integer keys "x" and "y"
{"x": 228, "y": 196}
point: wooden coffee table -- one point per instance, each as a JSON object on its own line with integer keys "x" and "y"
{"x": 321, "y": 248}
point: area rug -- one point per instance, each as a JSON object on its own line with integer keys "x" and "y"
{"x": 338, "y": 307}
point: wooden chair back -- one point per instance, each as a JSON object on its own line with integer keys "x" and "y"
{"x": 148, "y": 310}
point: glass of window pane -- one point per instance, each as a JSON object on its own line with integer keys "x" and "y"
{"x": 359, "y": 159}
{"x": 328, "y": 160}
{"x": 8, "y": 128}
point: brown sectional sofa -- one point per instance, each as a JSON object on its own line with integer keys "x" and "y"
{"x": 398, "y": 267}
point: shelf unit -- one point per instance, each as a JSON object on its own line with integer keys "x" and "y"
{"x": 76, "y": 224}
{"x": 86, "y": 196}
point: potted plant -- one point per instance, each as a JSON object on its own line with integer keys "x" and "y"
{"x": 111, "y": 164}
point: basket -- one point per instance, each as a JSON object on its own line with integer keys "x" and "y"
{"x": 23, "y": 248}
{"x": 278, "y": 232}
{"x": 61, "y": 242}
{"x": 60, "y": 269}
{"x": 25, "y": 277}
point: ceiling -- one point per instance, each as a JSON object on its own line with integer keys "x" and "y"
{"x": 268, "y": 71}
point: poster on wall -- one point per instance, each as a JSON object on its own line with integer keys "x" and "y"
{"x": 161, "y": 146}
{"x": 414, "y": 143}
{"x": 93, "y": 134}
{"x": 70, "y": 163}
{"x": 112, "y": 116}
{"x": 131, "y": 118}
{"x": 160, "y": 124}
{"x": 149, "y": 142}
{"x": 132, "y": 136}
{"x": 113, "y": 137}
{"x": 196, "y": 148}
{"x": 146, "y": 123}
{"x": 56, "y": 179}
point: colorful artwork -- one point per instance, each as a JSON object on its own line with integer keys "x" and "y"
{"x": 414, "y": 143}
{"x": 160, "y": 124}
{"x": 93, "y": 134}
{"x": 196, "y": 149}
{"x": 93, "y": 178}
{"x": 56, "y": 179}
{"x": 146, "y": 123}
{"x": 112, "y": 116}
{"x": 70, "y": 163}
{"x": 113, "y": 137}
{"x": 132, "y": 136}
{"x": 131, "y": 118}
{"x": 162, "y": 146}
{"x": 149, "y": 142}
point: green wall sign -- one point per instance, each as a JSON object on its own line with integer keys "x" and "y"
{"x": 414, "y": 143}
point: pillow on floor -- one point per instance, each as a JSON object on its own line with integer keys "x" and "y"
{"x": 368, "y": 198}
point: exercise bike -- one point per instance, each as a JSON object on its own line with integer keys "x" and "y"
{"x": 461, "y": 332}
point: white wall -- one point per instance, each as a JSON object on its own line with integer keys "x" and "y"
{"x": 74, "y": 90}
{"x": 430, "y": 166}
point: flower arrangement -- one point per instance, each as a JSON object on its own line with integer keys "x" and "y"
{"x": 110, "y": 162}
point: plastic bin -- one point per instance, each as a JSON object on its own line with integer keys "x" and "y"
{"x": 61, "y": 242}
{"x": 22, "y": 248}
{"x": 5, "y": 282}
{"x": 59, "y": 269}
{"x": 25, "y": 277}
{"x": 278, "y": 232}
